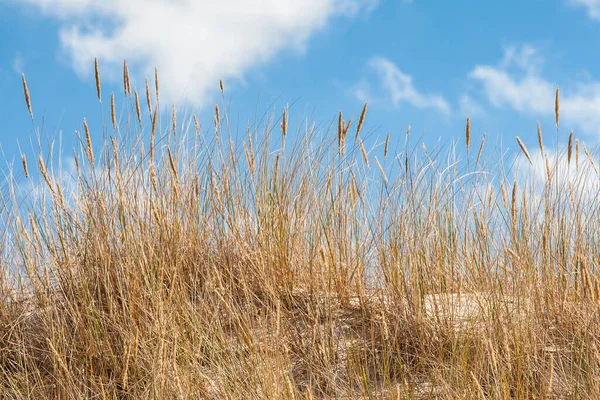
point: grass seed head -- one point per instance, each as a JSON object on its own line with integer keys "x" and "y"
{"x": 196, "y": 126}
{"x": 27, "y": 97}
{"x": 137, "y": 107}
{"x": 387, "y": 144}
{"x": 570, "y": 148}
{"x": 24, "y": 162}
{"x": 381, "y": 169}
{"x": 480, "y": 148}
{"x": 88, "y": 139}
{"x": 364, "y": 152}
{"x": 361, "y": 120}
{"x": 113, "y": 112}
{"x": 557, "y": 107}
{"x": 97, "y": 76}
{"x": 174, "y": 119}
{"x": 148, "y": 99}
{"x": 468, "y": 132}
{"x": 524, "y": 149}
{"x": 153, "y": 132}
{"x": 577, "y": 153}
{"x": 284, "y": 122}
{"x": 126, "y": 85}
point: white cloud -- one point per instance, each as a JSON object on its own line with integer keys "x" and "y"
{"x": 592, "y": 6}
{"x": 530, "y": 94}
{"x": 470, "y": 107}
{"x": 398, "y": 88}
{"x": 18, "y": 64}
{"x": 527, "y": 92}
{"x": 193, "y": 43}
{"x": 526, "y": 57}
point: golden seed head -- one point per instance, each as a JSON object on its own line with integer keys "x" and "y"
{"x": 557, "y": 107}
{"x": 25, "y": 169}
{"x": 115, "y": 153}
{"x": 27, "y": 97}
{"x": 148, "y": 99}
{"x": 468, "y": 132}
{"x": 480, "y": 148}
{"x": 174, "y": 117}
{"x": 153, "y": 133}
{"x": 347, "y": 127}
{"x": 576, "y": 153}
{"x": 97, "y": 75}
{"x": 196, "y": 126}
{"x": 381, "y": 169}
{"x": 364, "y": 152}
{"x": 113, "y": 112}
{"x": 589, "y": 156}
{"x": 570, "y": 148}
{"x": 88, "y": 139}
{"x": 126, "y": 86}
{"x": 172, "y": 163}
{"x": 387, "y": 143}
{"x": 222, "y": 87}
{"x": 284, "y": 122}
{"x": 361, "y": 120}
{"x": 340, "y": 133}
{"x": 44, "y": 173}
{"x": 524, "y": 149}
{"x": 137, "y": 107}
{"x": 513, "y": 206}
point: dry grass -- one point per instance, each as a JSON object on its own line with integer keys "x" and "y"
{"x": 239, "y": 268}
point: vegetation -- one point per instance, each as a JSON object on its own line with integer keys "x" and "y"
{"x": 191, "y": 264}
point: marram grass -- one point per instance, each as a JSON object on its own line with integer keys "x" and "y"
{"x": 199, "y": 264}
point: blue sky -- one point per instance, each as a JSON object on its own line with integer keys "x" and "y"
{"x": 420, "y": 63}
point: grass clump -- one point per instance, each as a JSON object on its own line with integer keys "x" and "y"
{"x": 265, "y": 265}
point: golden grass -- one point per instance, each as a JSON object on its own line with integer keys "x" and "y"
{"x": 361, "y": 120}
{"x": 97, "y": 77}
{"x": 113, "y": 111}
{"x": 126, "y": 85}
{"x": 27, "y": 97}
{"x": 148, "y": 99}
{"x": 557, "y": 107}
{"x": 245, "y": 269}
{"x": 468, "y": 133}
{"x": 24, "y": 162}
{"x": 570, "y": 148}
{"x": 524, "y": 149}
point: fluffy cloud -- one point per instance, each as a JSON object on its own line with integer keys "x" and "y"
{"x": 517, "y": 84}
{"x": 398, "y": 88}
{"x": 17, "y": 64}
{"x": 592, "y": 6}
{"x": 469, "y": 107}
{"x": 193, "y": 43}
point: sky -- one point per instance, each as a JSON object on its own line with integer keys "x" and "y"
{"x": 427, "y": 64}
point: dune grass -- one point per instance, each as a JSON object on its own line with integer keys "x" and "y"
{"x": 295, "y": 262}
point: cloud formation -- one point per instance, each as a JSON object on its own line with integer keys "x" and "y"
{"x": 193, "y": 43}
{"x": 398, "y": 88}
{"x": 592, "y": 7}
{"x": 517, "y": 83}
